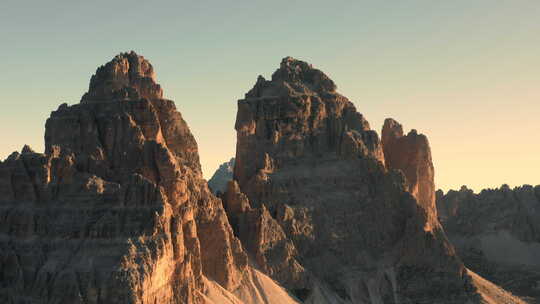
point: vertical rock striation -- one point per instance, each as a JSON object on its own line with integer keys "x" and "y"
{"x": 127, "y": 76}
{"x": 220, "y": 178}
{"x": 116, "y": 210}
{"x": 313, "y": 201}
{"x": 297, "y": 114}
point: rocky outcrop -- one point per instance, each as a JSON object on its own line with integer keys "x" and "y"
{"x": 492, "y": 210}
{"x": 411, "y": 155}
{"x": 313, "y": 200}
{"x": 220, "y": 178}
{"x": 127, "y": 77}
{"x": 116, "y": 210}
{"x": 497, "y": 233}
{"x": 264, "y": 238}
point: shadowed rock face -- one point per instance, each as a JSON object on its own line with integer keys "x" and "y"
{"x": 514, "y": 210}
{"x": 297, "y": 114}
{"x": 497, "y": 233}
{"x": 412, "y": 155}
{"x": 313, "y": 201}
{"x": 220, "y": 178}
{"x": 115, "y": 210}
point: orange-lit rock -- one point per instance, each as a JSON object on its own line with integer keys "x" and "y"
{"x": 412, "y": 155}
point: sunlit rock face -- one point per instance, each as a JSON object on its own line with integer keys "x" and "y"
{"x": 411, "y": 155}
{"x": 116, "y": 210}
{"x": 497, "y": 233}
{"x": 313, "y": 201}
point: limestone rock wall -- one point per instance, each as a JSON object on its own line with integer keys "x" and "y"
{"x": 115, "y": 210}
{"x": 411, "y": 155}
{"x": 328, "y": 213}
{"x": 127, "y": 76}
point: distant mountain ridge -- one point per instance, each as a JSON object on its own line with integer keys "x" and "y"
{"x": 220, "y": 178}
{"x": 497, "y": 234}
{"x": 332, "y": 212}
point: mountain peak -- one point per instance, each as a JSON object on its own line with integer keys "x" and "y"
{"x": 127, "y": 76}
{"x": 293, "y": 77}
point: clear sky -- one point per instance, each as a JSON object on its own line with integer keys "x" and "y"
{"x": 465, "y": 73}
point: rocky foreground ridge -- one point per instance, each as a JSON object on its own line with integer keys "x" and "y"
{"x": 497, "y": 234}
{"x": 320, "y": 210}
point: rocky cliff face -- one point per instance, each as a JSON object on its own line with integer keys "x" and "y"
{"x": 411, "y": 155}
{"x": 313, "y": 201}
{"x": 497, "y": 233}
{"x": 125, "y": 77}
{"x": 116, "y": 210}
{"x": 220, "y": 178}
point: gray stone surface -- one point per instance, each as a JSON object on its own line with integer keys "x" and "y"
{"x": 497, "y": 234}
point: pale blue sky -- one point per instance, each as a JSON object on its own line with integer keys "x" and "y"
{"x": 465, "y": 73}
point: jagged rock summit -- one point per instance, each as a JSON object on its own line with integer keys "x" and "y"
{"x": 314, "y": 202}
{"x": 116, "y": 210}
{"x": 299, "y": 113}
{"x": 127, "y": 76}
